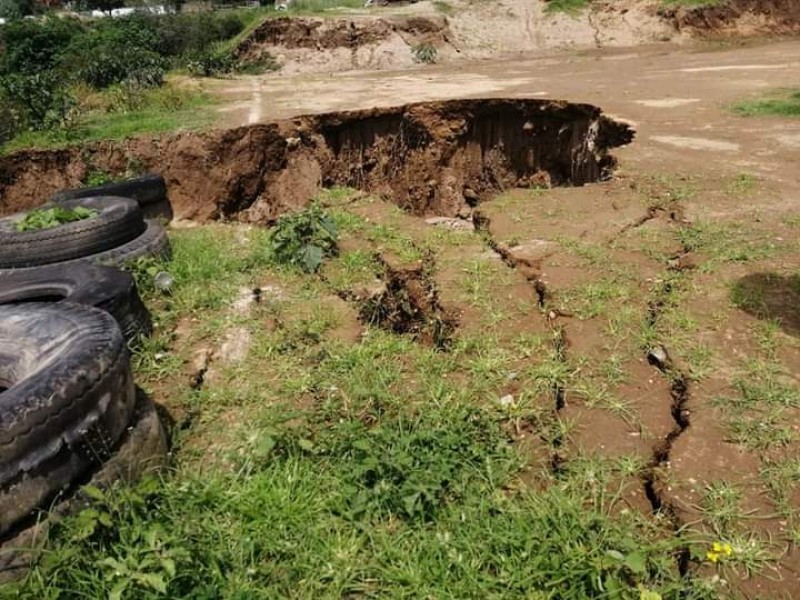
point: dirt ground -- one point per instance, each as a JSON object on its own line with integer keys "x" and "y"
{"x": 681, "y": 274}
{"x": 668, "y": 297}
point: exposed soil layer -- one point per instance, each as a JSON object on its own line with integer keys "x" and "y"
{"x": 315, "y": 44}
{"x": 327, "y": 34}
{"x": 738, "y": 17}
{"x": 429, "y": 158}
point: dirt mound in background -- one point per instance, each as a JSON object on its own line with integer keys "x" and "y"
{"x": 344, "y": 43}
{"x": 738, "y": 17}
{"x": 432, "y": 158}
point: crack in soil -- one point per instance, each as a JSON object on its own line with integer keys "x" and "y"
{"x": 559, "y": 339}
{"x": 679, "y": 390}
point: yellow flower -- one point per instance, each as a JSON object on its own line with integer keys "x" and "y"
{"x": 719, "y": 550}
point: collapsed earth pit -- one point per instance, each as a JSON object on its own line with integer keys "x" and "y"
{"x": 428, "y": 158}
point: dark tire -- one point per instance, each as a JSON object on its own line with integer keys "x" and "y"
{"x": 70, "y": 397}
{"x": 106, "y": 288}
{"x": 147, "y": 189}
{"x": 118, "y": 222}
{"x": 153, "y": 243}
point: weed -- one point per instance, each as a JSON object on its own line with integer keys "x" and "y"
{"x": 304, "y": 239}
{"x": 424, "y": 53}
{"x": 742, "y": 184}
{"x": 47, "y": 218}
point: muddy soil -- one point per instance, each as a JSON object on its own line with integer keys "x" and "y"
{"x": 428, "y": 158}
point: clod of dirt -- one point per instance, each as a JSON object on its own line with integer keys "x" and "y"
{"x": 408, "y": 303}
{"x": 429, "y": 158}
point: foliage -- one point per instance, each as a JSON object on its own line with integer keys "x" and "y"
{"x": 35, "y": 101}
{"x": 304, "y": 239}
{"x": 34, "y": 46}
{"x": 15, "y": 9}
{"x": 424, "y": 53}
{"x": 784, "y": 104}
{"x": 104, "y": 5}
{"x": 211, "y": 64}
{"x": 47, "y": 218}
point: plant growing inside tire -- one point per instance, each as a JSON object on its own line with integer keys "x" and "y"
{"x": 304, "y": 239}
{"x": 47, "y": 218}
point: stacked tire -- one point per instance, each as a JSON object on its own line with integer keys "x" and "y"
{"x": 67, "y": 317}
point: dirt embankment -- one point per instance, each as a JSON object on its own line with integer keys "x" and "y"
{"x": 737, "y": 18}
{"x": 315, "y": 44}
{"x": 429, "y": 158}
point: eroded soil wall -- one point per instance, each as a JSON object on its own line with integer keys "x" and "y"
{"x": 429, "y": 158}
{"x": 738, "y": 17}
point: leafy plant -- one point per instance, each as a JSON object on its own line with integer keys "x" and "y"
{"x": 47, "y": 218}
{"x": 424, "y": 53}
{"x": 304, "y": 239}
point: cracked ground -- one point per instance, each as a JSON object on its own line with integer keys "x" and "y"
{"x": 604, "y": 375}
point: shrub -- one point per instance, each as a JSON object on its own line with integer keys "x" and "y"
{"x": 36, "y": 101}
{"x": 304, "y": 239}
{"x": 34, "y": 46}
{"x": 211, "y": 64}
{"x": 424, "y": 53}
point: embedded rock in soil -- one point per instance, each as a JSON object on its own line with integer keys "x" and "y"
{"x": 429, "y": 158}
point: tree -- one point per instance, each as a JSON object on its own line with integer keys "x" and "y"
{"x": 15, "y": 9}
{"x": 105, "y": 5}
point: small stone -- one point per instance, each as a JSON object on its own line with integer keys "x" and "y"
{"x": 658, "y": 357}
{"x": 506, "y": 401}
{"x": 293, "y": 142}
{"x": 528, "y": 126}
{"x": 163, "y": 282}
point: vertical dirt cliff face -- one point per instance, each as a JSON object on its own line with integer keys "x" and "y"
{"x": 429, "y": 158}
{"x": 737, "y": 17}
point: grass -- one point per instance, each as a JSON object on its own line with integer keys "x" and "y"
{"x": 377, "y": 466}
{"x": 783, "y": 103}
{"x": 571, "y": 7}
{"x": 155, "y": 111}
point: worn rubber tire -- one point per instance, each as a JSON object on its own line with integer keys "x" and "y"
{"x": 118, "y": 222}
{"x": 106, "y": 288}
{"x": 70, "y": 397}
{"x": 146, "y": 189}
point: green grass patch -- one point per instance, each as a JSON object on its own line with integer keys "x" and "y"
{"x": 571, "y": 7}
{"x": 410, "y": 506}
{"x": 785, "y": 103}
{"x": 113, "y": 117}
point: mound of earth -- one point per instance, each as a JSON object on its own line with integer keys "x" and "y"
{"x": 738, "y": 18}
{"x": 429, "y": 158}
{"x": 315, "y": 44}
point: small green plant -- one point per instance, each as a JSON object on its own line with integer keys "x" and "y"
{"x": 47, "y": 218}
{"x": 97, "y": 177}
{"x": 305, "y": 238}
{"x": 424, "y": 53}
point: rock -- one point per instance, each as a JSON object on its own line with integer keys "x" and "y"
{"x": 293, "y": 142}
{"x": 465, "y": 212}
{"x": 471, "y": 196}
{"x": 506, "y": 401}
{"x": 163, "y": 282}
{"x": 450, "y": 223}
{"x": 659, "y": 358}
